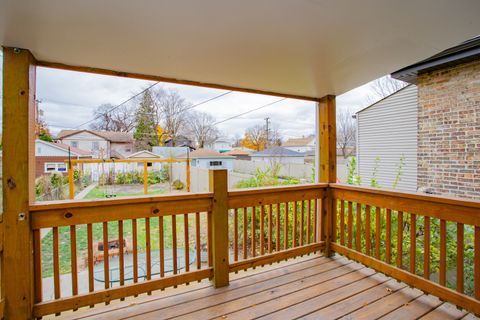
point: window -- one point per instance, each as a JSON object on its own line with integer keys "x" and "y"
{"x": 215, "y": 163}
{"x": 74, "y": 144}
{"x": 55, "y": 167}
{"x": 95, "y": 145}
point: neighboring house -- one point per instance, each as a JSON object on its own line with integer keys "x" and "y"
{"x": 171, "y": 152}
{"x": 51, "y": 157}
{"x": 303, "y": 144}
{"x": 278, "y": 155}
{"x": 143, "y": 155}
{"x": 386, "y": 136}
{"x": 102, "y": 144}
{"x": 211, "y": 159}
{"x": 240, "y": 153}
{"x": 221, "y": 145}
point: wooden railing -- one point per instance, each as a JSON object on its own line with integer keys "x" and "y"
{"x": 167, "y": 239}
{"x": 96, "y": 251}
{"x": 273, "y": 224}
{"x": 429, "y": 242}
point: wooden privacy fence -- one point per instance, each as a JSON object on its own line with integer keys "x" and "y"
{"x": 405, "y": 236}
{"x": 163, "y": 241}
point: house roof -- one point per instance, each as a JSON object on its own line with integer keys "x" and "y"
{"x": 464, "y": 52}
{"x": 238, "y": 152}
{"x": 206, "y": 153}
{"x": 65, "y": 147}
{"x": 277, "y": 152}
{"x": 144, "y": 152}
{"x": 325, "y": 47}
{"x": 298, "y": 142}
{"x": 111, "y": 136}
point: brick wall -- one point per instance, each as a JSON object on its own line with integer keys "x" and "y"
{"x": 449, "y": 130}
{"x": 40, "y": 164}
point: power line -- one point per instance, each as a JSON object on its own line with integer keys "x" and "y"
{"x": 247, "y": 112}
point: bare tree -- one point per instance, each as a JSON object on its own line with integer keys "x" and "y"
{"x": 383, "y": 87}
{"x": 255, "y": 138}
{"x": 110, "y": 118}
{"x": 346, "y": 132}
{"x": 274, "y": 136}
{"x": 171, "y": 113}
{"x": 201, "y": 128}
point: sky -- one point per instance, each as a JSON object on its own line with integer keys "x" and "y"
{"x": 69, "y": 98}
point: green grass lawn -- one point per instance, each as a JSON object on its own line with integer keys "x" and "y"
{"x": 64, "y": 236}
{"x": 99, "y": 193}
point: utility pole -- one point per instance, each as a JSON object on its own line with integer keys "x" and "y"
{"x": 267, "y": 122}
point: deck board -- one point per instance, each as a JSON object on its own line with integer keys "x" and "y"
{"x": 311, "y": 287}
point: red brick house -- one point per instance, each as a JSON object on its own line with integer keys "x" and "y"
{"x": 51, "y": 157}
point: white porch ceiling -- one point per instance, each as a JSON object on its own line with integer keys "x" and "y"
{"x": 302, "y": 47}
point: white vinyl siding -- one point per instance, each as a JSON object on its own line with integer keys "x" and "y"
{"x": 388, "y": 130}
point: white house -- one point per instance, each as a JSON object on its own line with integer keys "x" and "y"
{"x": 303, "y": 144}
{"x": 211, "y": 159}
{"x": 387, "y": 141}
{"x": 278, "y": 155}
{"x": 102, "y": 144}
{"x": 220, "y": 145}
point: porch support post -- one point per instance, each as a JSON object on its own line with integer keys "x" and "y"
{"x": 18, "y": 180}
{"x": 326, "y": 164}
{"x": 219, "y": 186}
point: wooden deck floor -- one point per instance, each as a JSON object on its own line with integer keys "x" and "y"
{"x": 311, "y": 287}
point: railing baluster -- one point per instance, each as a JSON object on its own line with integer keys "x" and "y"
{"x": 388, "y": 237}
{"x": 135, "y": 250}
{"x": 399, "y": 239}
{"x": 358, "y": 224}
{"x": 277, "y": 229}
{"x": 270, "y": 232}
{"x": 426, "y": 247}
{"x": 350, "y": 224}
{"x": 106, "y": 267}
{"x": 73, "y": 259}
{"x": 197, "y": 239}
{"x": 285, "y": 228}
{"x": 235, "y": 234}
{"x": 460, "y": 264}
{"x": 378, "y": 232}
{"x": 342, "y": 222}
{"x": 56, "y": 265}
{"x": 302, "y": 222}
{"x": 91, "y": 286}
{"x": 443, "y": 252}
{"x": 37, "y": 251}
{"x": 476, "y": 263}
{"x": 294, "y": 227}
{"x": 161, "y": 246}
{"x": 367, "y": 229}
{"x": 254, "y": 230}
{"x": 413, "y": 242}
{"x": 245, "y": 229}
{"x": 315, "y": 219}
{"x": 309, "y": 220}
{"x": 121, "y": 261}
{"x": 187, "y": 242}
{"x": 262, "y": 229}
{"x": 148, "y": 251}
{"x": 209, "y": 239}
{"x": 174, "y": 244}
{"x": 334, "y": 220}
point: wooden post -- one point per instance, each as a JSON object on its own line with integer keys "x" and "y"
{"x": 145, "y": 177}
{"x": 71, "y": 186}
{"x": 18, "y": 180}
{"x": 218, "y": 181}
{"x": 326, "y": 166}
{"x": 188, "y": 175}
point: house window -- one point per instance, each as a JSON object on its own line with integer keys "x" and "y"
{"x": 74, "y": 144}
{"x": 215, "y": 163}
{"x": 55, "y": 167}
{"x": 95, "y": 146}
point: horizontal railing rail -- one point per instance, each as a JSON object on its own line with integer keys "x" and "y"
{"x": 429, "y": 242}
{"x": 272, "y": 224}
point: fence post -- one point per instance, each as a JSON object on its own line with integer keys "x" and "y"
{"x": 218, "y": 182}
{"x": 326, "y": 163}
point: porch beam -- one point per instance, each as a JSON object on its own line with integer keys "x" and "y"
{"x": 326, "y": 163}
{"x": 18, "y": 179}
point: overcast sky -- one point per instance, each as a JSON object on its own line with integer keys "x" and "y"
{"x": 68, "y": 99}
